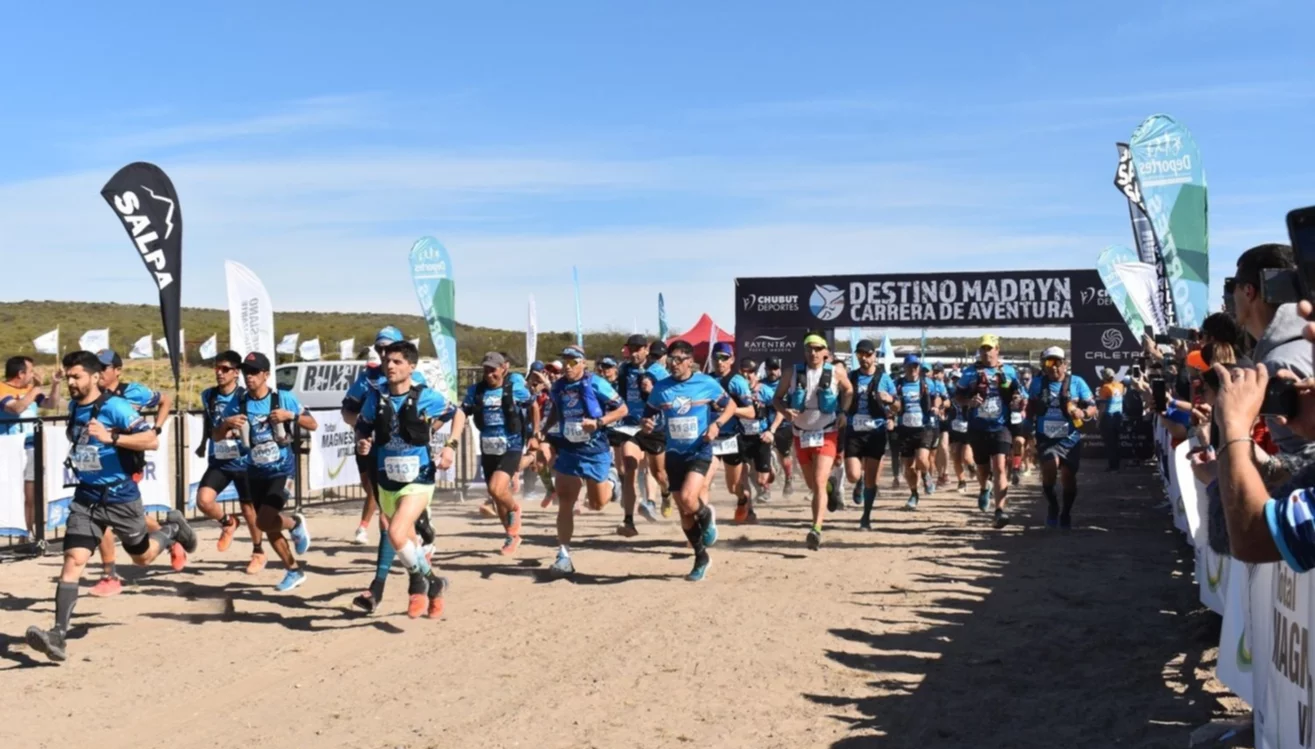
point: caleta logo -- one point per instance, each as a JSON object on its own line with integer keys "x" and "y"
{"x": 144, "y": 235}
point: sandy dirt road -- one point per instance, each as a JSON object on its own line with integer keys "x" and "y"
{"x": 934, "y": 631}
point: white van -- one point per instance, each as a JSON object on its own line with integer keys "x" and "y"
{"x": 323, "y": 384}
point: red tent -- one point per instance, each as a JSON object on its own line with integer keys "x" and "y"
{"x": 699, "y": 336}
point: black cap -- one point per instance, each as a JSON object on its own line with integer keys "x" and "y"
{"x": 636, "y": 342}
{"x": 938, "y": 367}
{"x": 255, "y": 362}
{"x": 657, "y": 348}
{"x": 773, "y": 362}
{"x": 747, "y": 363}
{"x": 108, "y": 358}
{"x": 865, "y": 346}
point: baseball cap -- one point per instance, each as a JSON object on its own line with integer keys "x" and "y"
{"x": 636, "y": 342}
{"x": 657, "y": 348}
{"x": 555, "y": 366}
{"x": 747, "y": 363}
{"x": 1054, "y": 352}
{"x": 572, "y": 352}
{"x": 109, "y": 358}
{"x": 912, "y": 360}
{"x": 255, "y": 362}
{"x": 989, "y": 340}
{"x": 722, "y": 348}
{"x": 607, "y": 361}
{"x": 938, "y": 367}
{"x": 773, "y": 362}
{"x": 537, "y": 366}
{"x": 493, "y": 359}
{"x": 865, "y": 346}
{"x": 388, "y": 335}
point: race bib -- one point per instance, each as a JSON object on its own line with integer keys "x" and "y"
{"x": 809, "y": 440}
{"x": 911, "y": 419}
{"x": 629, "y": 430}
{"x": 959, "y": 425}
{"x": 493, "y": 445}
{"x": 1056, "y": 429}
{"x": 683, "y": 428}
{"x": 990, "y": 409}
{"x": 403, "y": 468}
{"x": 1015, "y": 417}
{"x": 726, "y": 446}
{"x": 227, "y": 450}
{"x": 265, "y": 453}
{"x": 862, "y": 423}
{"x": 751, "y": 426}
{"x": 574, "y": 431}
{"x": 86, "y": 458}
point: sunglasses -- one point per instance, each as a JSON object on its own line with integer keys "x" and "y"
{"x": 568, "y": 362}
{"x": 723, "y": 357}
{"x": 679, "y": 359}
{"x": 815, "y": 349}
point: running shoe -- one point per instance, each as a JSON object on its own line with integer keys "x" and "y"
{"x": 300, "y": 534}
{"x": 177, "y": 557}
{"x": 366, "y": 602}
{"x": 701, "y": 564}
{"x": 648, "y": 510}
{"x": 751, "y": 518}
{"x": 667, "y": 505}
{"x": 857, "y": 495}
{"x": 1052, "y": 516}
{"x": 362, "y": 536}
{"x": 416, "y": 605}
{"x": 437, "y": 591}
{"x": 293, "y": 579}
{"x": 1065, "y": 522}
{"x": 488, "y": 510}
{"x": 741, "y": 512}
{"x": 963, "y": 487}
{"x": 48, "y": 642}
{"x": 813, "y": 540}
{"x": 257, "y": 563}
{"x": 984, "y": 500}
{"x": 627, "y": 530}
{"x": 833, "y": 501}
{"x": 186, "y": 535}
{"x": 1015, "y": 477}
{"x": 509, "y": 545}
{"x": 108, "y": 586}
{"x": 788, "y": 491}
{"x": 929, "y": 485}
{"x": 709, "y": 528}
{"x": 912, "y": 504}
{"x": 563, "y": 566}
{"x": 226, "y": 531}
{"x": 1001, "y": 519}
{"x": 865, "y": 524}
{"x": 765, "y": 496}
{"x": 514, "y": 521}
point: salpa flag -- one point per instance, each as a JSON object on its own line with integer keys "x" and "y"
{"x": 142, "y": 349}
{"x": 250, "y": 313}
{"x": 579, "y": 319}
{"x": 95, "y": 340}
{"x": 144, "y": 198}
{"x": 47, "y": 343}
{"x": 532, "y": 334}
{"x": 1172, "y": 179}
{"x": 288, "y": 345}
{"x": 347, "y": 349}
{"x": 1125, "y": 179}
{"x": 310, "y": 350}
{"x": 210, "y": 349}
{"x": 431, "y": 272}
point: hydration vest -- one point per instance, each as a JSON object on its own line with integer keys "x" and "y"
{"x": 1036, "y": 408}
{"x": 133, "y": 462}
{"x": 592, "y": 409}
{"x": 512, "y": 423}
{"x": 207, "y": 405}
{"x": 410, "y": 425}
{"x": 827, "y": 400}
{"x": 876, "y": 408}
{"x": 273, "y": 406}
{"x": 924, "y": 399}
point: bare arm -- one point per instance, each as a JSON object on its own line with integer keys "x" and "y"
{"x": 141, "y": 441}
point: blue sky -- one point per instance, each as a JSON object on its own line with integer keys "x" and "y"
{"x": 661, "y": 146}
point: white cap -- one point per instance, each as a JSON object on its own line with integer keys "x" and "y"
{"x": 1054, "y": 352}
{"x": 372, "y": 359}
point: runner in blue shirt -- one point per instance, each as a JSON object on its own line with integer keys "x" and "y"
{"x": 782, "y": 435}
{"x": 917, "y": 400}
{"x": 107, "y": 438}
{"x": 1056, "y": 401}
{"x": 397, "y": 427}
{"x": 224, "y": 465}
{"x": 756, "y": 439}
{"x": 584, "y": 405}
{"x": 1022, "y": 429}
{"x": 941, "y": 458}
{"x": 21, "y": 399}
{"x": 262, "y": 419}
{"x": 684, "y": 404}
{"x": 635, "y": 378}
{"x": 990, "y": 388}
{"x": 139, "y": 397}
{"x": 866, "y": 435}
{"x": 727, "y": 446}
{"x": 956, "y": 417}
{"x": 504, "y": 411}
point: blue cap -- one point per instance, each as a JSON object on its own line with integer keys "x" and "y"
{"x": 572, "y": 352}
{"x": 722, "y": 347}
{"x": 912, "y": 360}
{"x": 536, "y": 366}
{"x": 389, "y": 334}
{"x": 607, "y": 361}
{"x": 108, "y": 358}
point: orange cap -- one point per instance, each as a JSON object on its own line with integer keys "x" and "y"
{"x": 1196, "y": 361}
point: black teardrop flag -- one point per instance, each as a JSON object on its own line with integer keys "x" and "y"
{"x": 143, "y": 197}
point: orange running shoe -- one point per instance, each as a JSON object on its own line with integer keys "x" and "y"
{"x": 741, "y": 512}
{"x": 510, "y": 545}
{"x": 628, "y": 531}
{"x": 437, "y": 589}
{"x": 257, "y": 563}
{"x": 108, "y": 586}
{"x": 513, "y": 521}
{"x": 226, "y": 533}
{"x": 416, "y": 606}
{"x": 177, "y": 557}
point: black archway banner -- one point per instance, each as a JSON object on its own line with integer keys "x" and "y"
{"x": 1034, "y": 298}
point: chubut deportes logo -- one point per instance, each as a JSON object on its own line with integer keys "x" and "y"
{"x": 826, "y": 302}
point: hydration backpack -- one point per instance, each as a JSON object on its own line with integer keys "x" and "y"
{"x": 512, "y": 423}
{"x": 133, "y": 462}
{"x": 410, "y": 425}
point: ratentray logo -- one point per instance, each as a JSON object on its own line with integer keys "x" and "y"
{"x": 768, "y": 345}
{"x": 827, "y": 302}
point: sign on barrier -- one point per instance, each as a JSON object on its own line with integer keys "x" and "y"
{"x": 332, "y": 453}
{"x": 196, "y": 466}
{"x": 1233, "y": 666}
{"x": 1281, "y": 628}
{"x": 13, "y": 459}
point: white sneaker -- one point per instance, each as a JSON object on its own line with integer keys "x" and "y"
{"x": 362, "y": 536}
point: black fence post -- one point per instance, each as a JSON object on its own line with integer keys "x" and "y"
{"x": 39, "y": 488}
{"x": 180, "y": 460}
{"x": 297, "y": 453}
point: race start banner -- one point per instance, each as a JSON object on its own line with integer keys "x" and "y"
{"x": 1036, "y": 298}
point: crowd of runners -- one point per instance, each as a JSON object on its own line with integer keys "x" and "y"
{"x": 649, "y": 429}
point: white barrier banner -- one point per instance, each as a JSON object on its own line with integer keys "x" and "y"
{"x": 1281, "y": 629}
{"x": 1234, "y": 663}
{"x": 196, "y": 466}
{"x": 1180, "y": 473}
{"x": 332, "y": 453}
{"x": 1212, "y": 576}
{"x": 157, "y": 479}
{"x": 13, "y": 458}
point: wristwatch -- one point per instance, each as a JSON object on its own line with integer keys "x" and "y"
{"x": 114, "y": 439}
{"x": 452, "y": 444}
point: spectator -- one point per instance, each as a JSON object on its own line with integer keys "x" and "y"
{"x": 1109, "y": 399}
{"x": 20, "y": 397}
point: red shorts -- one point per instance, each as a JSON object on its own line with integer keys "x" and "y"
{"x": 829, "y": 448}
